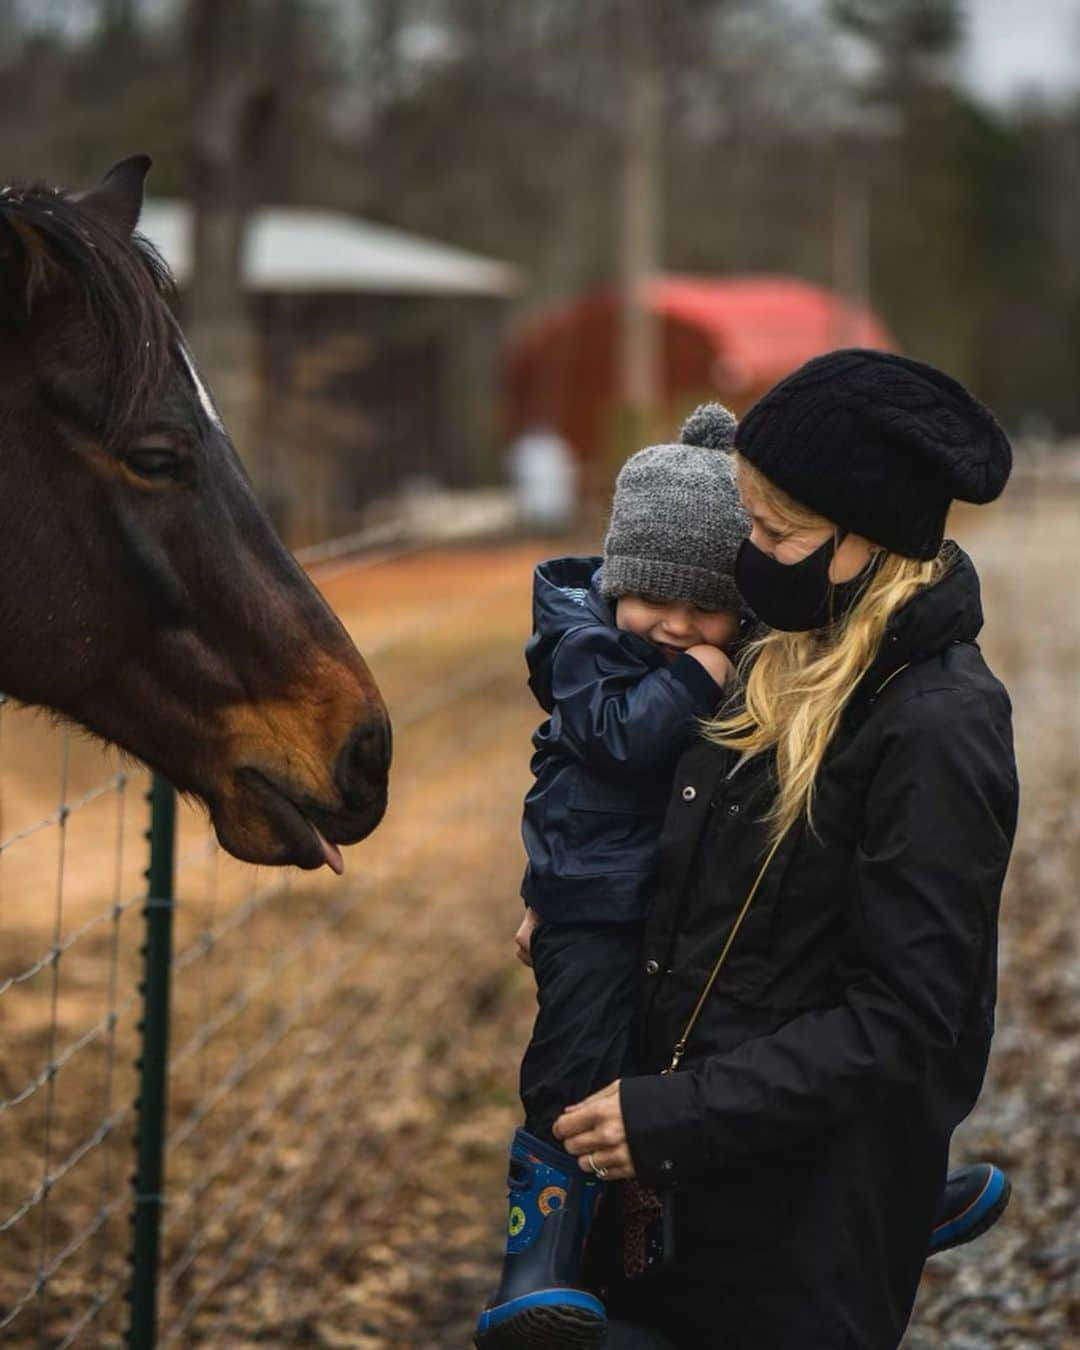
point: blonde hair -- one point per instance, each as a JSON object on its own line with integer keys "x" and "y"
{"x": 797, "y": 684}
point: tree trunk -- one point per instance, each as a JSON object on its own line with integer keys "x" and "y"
{"x": 224, "y": 90}
{"x": 641, "y": 210}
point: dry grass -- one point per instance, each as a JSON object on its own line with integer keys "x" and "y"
{"x": 345, "y": 1191}
{"x": 287, "y": 987}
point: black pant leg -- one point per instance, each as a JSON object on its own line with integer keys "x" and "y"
{"x": 586, "y": 982}
{"x": 623, "y": 1336}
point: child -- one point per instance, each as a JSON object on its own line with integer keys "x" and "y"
{"x": 628, "y": 652}
{"x": 625, "y": 658}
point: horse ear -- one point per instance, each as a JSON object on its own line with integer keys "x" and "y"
{"x": 118, "y": 198}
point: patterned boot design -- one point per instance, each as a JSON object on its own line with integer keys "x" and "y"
{"x": 539, "y": 1304}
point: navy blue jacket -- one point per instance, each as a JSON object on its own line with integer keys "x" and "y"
{"x": 619, "y": 716}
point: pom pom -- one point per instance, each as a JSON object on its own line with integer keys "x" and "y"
{"x": 711, "y": 426}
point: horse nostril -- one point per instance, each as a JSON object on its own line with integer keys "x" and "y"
{"x": 364, "y": 762}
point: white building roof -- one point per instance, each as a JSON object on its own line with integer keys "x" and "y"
{"x": 294, "y": 249}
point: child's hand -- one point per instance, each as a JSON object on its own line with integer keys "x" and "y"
{"x": 523, "y": 937}
{"x": 716, "y": 662}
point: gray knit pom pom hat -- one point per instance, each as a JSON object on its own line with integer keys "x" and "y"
{"x": 676, "y": 520}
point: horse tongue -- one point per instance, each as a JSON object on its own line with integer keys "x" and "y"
{"x": 331, "y": 853}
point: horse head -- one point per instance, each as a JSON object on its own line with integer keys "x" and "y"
{"x": 143, "y": 592}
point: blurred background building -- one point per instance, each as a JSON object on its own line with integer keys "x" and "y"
{"x": 729, "y": 339}
{"x": 367, "y": 346}
{"x": 408, "y": 230}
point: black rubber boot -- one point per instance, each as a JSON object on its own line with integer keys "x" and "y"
{"x": 539, "y": 1304}
{"x": 975, "y": 1198}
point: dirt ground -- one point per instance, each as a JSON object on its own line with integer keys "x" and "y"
{"x": 345, "y": 1052}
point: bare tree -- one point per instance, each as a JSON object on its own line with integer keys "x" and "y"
{"x": 239, "y": 57}
{"x": 641, "y": 216}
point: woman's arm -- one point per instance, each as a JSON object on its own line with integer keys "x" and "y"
{"x": 924, "y": 890}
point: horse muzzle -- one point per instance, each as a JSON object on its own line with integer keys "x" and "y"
{"x": 270, "y": 819}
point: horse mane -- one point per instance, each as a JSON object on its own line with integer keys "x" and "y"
{"x": 126, "y": 284}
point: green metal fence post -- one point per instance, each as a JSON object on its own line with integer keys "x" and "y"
{"x": 149, "y": 1179}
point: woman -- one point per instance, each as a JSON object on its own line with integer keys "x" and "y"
{"x": 843, "y": 831}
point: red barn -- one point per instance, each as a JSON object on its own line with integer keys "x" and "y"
{"x": 728, "y": 339}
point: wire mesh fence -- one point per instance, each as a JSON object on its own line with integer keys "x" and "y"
{"x": 71, "y": 855}
{"x": 283, "y": 1072}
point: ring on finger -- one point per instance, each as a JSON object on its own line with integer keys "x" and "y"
{"x": 600, "y": 1172}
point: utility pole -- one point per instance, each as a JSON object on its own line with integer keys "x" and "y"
{"x": 241, "y": 58}
{"x": 217, "y": 319}
{"x": 641, "y": 221}
{"x": 10, "y": 33}
{"x": 117, "y": 14}
{"x": 850, "y": 242}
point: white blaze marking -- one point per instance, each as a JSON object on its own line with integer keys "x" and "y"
{"x": 205, "y": 399}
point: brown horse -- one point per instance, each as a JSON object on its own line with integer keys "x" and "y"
{"x": 143, "y": 592}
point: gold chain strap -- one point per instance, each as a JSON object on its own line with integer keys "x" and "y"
{"x": 680, "y": 1044}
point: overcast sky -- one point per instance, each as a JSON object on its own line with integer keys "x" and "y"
{"x": 1017, "y": 44}
{"x": 1013, "y": 45}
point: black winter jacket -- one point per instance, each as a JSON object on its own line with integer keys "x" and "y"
{"x": 619, "y": 715}
{"x": 807, "y": 1132}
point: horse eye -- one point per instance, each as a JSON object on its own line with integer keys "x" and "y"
{"x": 153, "y": 462}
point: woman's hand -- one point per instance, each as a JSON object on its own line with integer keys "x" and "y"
{"x": 593, "y": 1131}
{"x": 523, "y": 937}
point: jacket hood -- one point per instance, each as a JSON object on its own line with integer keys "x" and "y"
{"x": 946, "y": 613}
{"x": 950, "y": 611}
{"x": 566, "y": 595}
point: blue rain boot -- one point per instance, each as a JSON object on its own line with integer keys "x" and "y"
{"x": 538, "y": 1304}
{"x": 975, "y": 1198}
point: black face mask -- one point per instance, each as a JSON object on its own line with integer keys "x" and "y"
{"x": 796, "y": 597}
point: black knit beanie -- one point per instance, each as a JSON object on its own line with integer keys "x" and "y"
{"x": 878, "y": 443}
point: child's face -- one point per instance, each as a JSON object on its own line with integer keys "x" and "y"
{"x": 675, "y": 625}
